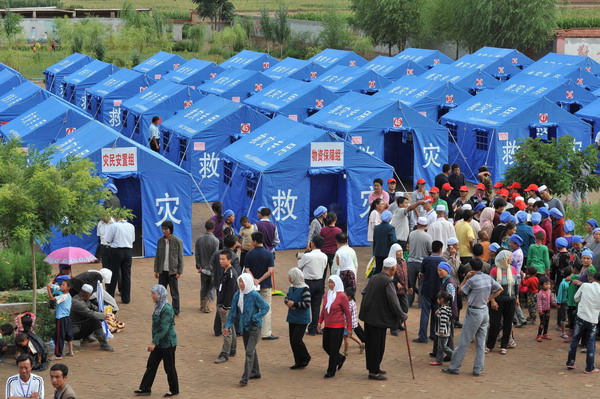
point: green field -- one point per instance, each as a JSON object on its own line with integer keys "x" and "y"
{"x": 185, "y": 5}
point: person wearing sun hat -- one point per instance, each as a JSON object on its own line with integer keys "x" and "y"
{"x": 479, "y": 197}
{"x": 419, "y": 193}
{"x": 514, "y": 188}
{"x": 569, "y": 230}
{"x": 524, "y": 231}
{"x": 444, "y": 198}
{"x": 546, "y": 224}
{"x": 384, "y": 236}
{"x": 317, "y": 223}
{"x": 590, "y": 225}
{"x": 532, "y": 191}
{"x": 392, "y": 189}
{"x": 429, "y": 209}
{"x": 434, "y": 192}
{"x": 558, "y": 225}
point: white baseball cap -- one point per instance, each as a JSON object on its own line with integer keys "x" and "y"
{"x": 422, "y": 221}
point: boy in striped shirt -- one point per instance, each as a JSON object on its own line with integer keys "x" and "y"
{"x": 443, "y": 328}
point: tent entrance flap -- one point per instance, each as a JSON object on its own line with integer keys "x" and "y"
{"x": 399, "y": 152}
{"x": 329, "y": 190}
{"x": 570, "y": 106}
{"x": 544, "y": 131}
{"x": 130, "y": 195}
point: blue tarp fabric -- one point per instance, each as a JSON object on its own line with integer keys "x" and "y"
{"x": 194, "y": 138}
{"x": 500, "y": 68}
{"x": 159, "y": 64}
{"x": 236, "y": 84}
{"x": 424, "y": 57}
{"x": 194, "y": 72}
{"x": 76, "y": 84}
{"x": 470, "y": 80}
{"x": 513, "y": 56}
{"x": 296, "y": 69}
{"x": 163, "y": 193}
{"x": 292, "y": 98}
{"x": 9, "y": 79}
{"x": 21, "y": 99}
{"x": 284, "y": 165}
{"x": 329, "y": 58}
{"x": 394, "y": 68}
{"x": 557, "y": 70}
{"x": 587, "y": 63}
{"x": 55, "y": 74}
{"x": 250, "y": 60}
{"x": 46, "y": 123}
{"x": 342, "y": 79}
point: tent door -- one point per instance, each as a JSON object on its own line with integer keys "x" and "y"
{"x": 544, "y": 131}
{"x": 329, "y": 190}
{"x": 444, "y": 109}
{"x": 571, "y": 107}
{"x": 399, "y": 152}
{"x": 130, "y": 194}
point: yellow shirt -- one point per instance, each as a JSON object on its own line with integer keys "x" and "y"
{"x": 464, "y": 231}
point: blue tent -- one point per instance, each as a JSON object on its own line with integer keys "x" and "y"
{"x": 424, "y": 57}
{"x": 329, "y": 58}
{"x": 159, "y": 64}
{"x": 194, "y": 137}
{"x": 576, "y": 73}
{"x": 154, "y": 188}
{"x": 500, "y": 68}
{"x": 46, "y": 123}
{"x": 486, "y": 130}
{"x": 563, "y": 92}
{"x": 236, "y": 84}
{"x": 9, "y": 79}
{"x": 162, "y": 99}
{"x": 292, "y": 98}
{"x": 591, "y": 114}
{"x": 394, "y": 68}
{"x": 431, "y": 98}
{"x": 470, "y": 80}
{"x": 194, "y": 72}
{"x": 414, "y": 145}
{"x": 342, "y": 79}
{"x": 587, "y": 63}
{"x": 295, "y": 69}
{"x": 513, "y": 56}
{"x": 76, "y": 84}
{"x": 104, "y": 99}
{"x": 293, "y": 168}
{"x": 21, "y": 99}
{"x": 55, "y": 74}
{"x": 250, "y": 60}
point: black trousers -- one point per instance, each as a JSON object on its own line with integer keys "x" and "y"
{"x": 167, "y": 356}
{"x": 120, "y": 265}
{"x": 301, "y": 355}
{"x": 378, "y": 264}
{"x": 63, "y": 333}
{"x": 360, "y": 333}
{"x": 374, "y": 347}
{"x": 317, "y": 290}
{"x": 105, "y": 255}
{"x": 330, "y": 258}
{"x": 170, "y": 281}
{"x": 506, "y": 311}
{"x": 83, "y": 330}
{"x": 332, "y": 342}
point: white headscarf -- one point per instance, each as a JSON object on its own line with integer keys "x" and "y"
{"x": 249, "y": 287}
{"x": 393, "y": 249}
{"x": 105, "y": 273}
{"x": 346, "y": 263}
{"x": 501, "y": 265}
{"x": 161, "y": 293}
{"x": 331, "y": 294}
{"x": 297, "y": 278}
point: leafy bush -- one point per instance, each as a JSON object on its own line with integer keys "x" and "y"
{"x": 15, "y": 268}
{"x": 82, "y": 36}
{"x": 232, "y": 38}
{"x": 578, "y": 18}
{"x": 35, "y": 3}
{"x": 580, "y": 214}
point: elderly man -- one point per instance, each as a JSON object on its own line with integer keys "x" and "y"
{"x": 441, "y": 229}
{"x": 380, "y": 310}
{"x": 58, "y": 378}
{"x": 25, "y": 384}
{"x": 113, "y": 201}
{"x": 550, "y": 201}
{"x": 420, "y": 248}
{"x": 86, "y": 319}
{"x": 384, "y": 235}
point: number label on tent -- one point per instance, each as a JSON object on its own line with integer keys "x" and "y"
{"x": 319, "y": 103}
{"x": 175, "y": 66}
{"x": 119, "y": 159}
{"x": 436, "y": 61}
{"x": 293, "y": 117}
{"x": 258, "y": 87}
{"x": 70, "y": 130}
{"x": 352, "y": 63}
{"x": 235, "y": 99}
{"x": 410, "y": 71}
{"x": 356, "y": 139}
{"x": 313, "y": 75}
{"x": 187, "y": 103}
{"x": 212, "y": 75}
{"x": 117, "y": 103}
{"x": 449, "y": 99}
{"x": 589, "y": 69}
{"x": 397, "y": 122}
{"x": 266, "y": 65}
{"x": 245, "y": 128}
{"x": 143, "y": 88}
{"x": 326, "y": 154}
{"x": 543, "y": 118}
{"x": 500, "y": 69}
{"x": 515, "y": 60}
{"x": 570, "y": 94}
{"x": 199, "y": 146}
{"x": 479, "y": 82}
{"x": 372, "y": 84}
{"x": 503, "y": 136}
{"x": 157, "y": 77}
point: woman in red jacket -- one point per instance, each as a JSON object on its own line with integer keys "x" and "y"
{"x": 336, "y": 315}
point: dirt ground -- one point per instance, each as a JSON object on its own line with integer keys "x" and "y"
{"x": 530, "y": 369}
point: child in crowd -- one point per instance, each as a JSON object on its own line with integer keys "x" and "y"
{"x": 443, "y": 327}
{"x": 561, "y": 300}
{"x": 484, "y": 240}
{"x": 25, "y": 322}
{"x": 538, "y": 255}
{"x": 32, "y": 345}
{"x": 63, "y": 270}
{"x": 560, "y": 261}
{"x": 229, "y": 218}
{"x": 359, "y": 334}
{"x": 571, "y": 304}
{"x": 63, "y": 331}
{"x": 530, "y": 284}
{"x": 6, "y": 330}
{"x": 544, "y": 301}
{"x": 245, "y": 238}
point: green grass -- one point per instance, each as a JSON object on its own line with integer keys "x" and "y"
{"x": 579, "y": 18}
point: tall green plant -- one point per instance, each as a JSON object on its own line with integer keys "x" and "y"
{"x": 283, "y": 31}
{"x": 215, "y": 10}
{"x": 336, "y": 32}
{"x": 12, "y": 22}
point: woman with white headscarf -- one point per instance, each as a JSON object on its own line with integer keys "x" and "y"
{"x": 248, "y": 305}
{"x": 401, "y": 282}
{"x": 164, "y": 343}
{"x": 336, "y": 316}
{"x": 503, "y": 307}
{"x": 298, "y": 302}
{"x": 347, "y": 270}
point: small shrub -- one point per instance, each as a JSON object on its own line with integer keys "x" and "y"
{"x": 15, "y": 268}
{"x": 99, "y": 50}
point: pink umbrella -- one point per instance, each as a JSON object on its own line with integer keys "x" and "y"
{"x": 69, "y": 256}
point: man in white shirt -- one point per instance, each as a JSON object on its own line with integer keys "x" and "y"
{"x": 313, "y": 265}
{"x": 154, "y": 134}
{"x": 400, "y": 218}
{"x": 441, "y": 229}
{"x": 104, "y": 248}
{"x": 341, "y": 240}
{"x": 121, "y": 236}
{"x": 586, "y": 323}
{"x": 25, "y": 384}
{"x": 430, "y": 214}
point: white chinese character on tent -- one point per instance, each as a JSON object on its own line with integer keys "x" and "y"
{"x": 208, "y": 165}
{"x": 115, "y": 117}
{"x": 367, "y": 149}
{"x": 284, "y": 203}
{"x": 83, "y": 103}
{"x": 164, "y": 209}
{"x": 508, "y": 151}
{"x": 364, "y": 195}
{"x": 431, "y": 155}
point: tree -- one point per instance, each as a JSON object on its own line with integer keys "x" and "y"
{"x": 388, "y": 22}
{"x": 335, "y": 33}
{"x": 267, "y": 26}
{"x": 282, "y": 29}
{"x": 215, "y": 10}
{"x": 558, "y": 164}
{"x": 12, "y": 22}
{"x": 38, "y": 197}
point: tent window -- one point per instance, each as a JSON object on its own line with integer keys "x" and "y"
{"x": 251, "y": 183}
{"x": 452, "y": 132}
{"x": 227, "y": 172}
{"x": 182, "y": 149}
{"x": 481, "y": 139}
{"x": 124, "y": 119}
{"x": 166, "y": 137}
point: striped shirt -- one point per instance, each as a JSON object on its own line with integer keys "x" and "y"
{"x": 479, "y": 288}
{"x": 444, "y": 315}
{"x": 353, "y": 314}
{"x": 18, "y": 388}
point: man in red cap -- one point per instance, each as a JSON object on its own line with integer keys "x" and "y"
{"x": 430, "y": 214}
{"x": 391, "y": 189}
{"x": 479, "y": 196}
{"x": 446, "y": 188}
{"x": 462, "y": 199}
{"x": 514, "y": 188}
{"x": 442, "y": 177}
{"x": 533, "y": 191}
{"x": 434, "y": 192}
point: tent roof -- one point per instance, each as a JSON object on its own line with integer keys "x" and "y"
{"x": 69, "y": 64}
{"x": 9, "y": 80}
{"x": 590, "y": 111}
{"x": 233, "y": 79}
{"x": 340, "y": 79}
{"x": 541, "y": 87}
{"x": 515, "y": 56}
{"x": 153, "y": 96}
{"x": 424, "y": 57}
{"x": 462, "y": 77}
{"x": 21, "y": 94}
{"x": 88, "y": 71}
{"x": 191, "y": 72}
{"x": 117, "y": 81}
{"x": 294, "y": 68}
{"x": 393, "y": 68}
{"x": 159, "y": 64}
{"x": 248, "y": 58}
{"x": 570, "y": 60}
{"x": 412, "y": 89}
{"x": 332, "y": 57}
{"x": 281, "y": 93}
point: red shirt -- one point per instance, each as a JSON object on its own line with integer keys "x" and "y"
{"x": 339, "y": 315}
{"x": 531, "y": 282}
{"x": 330, "y": 245}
